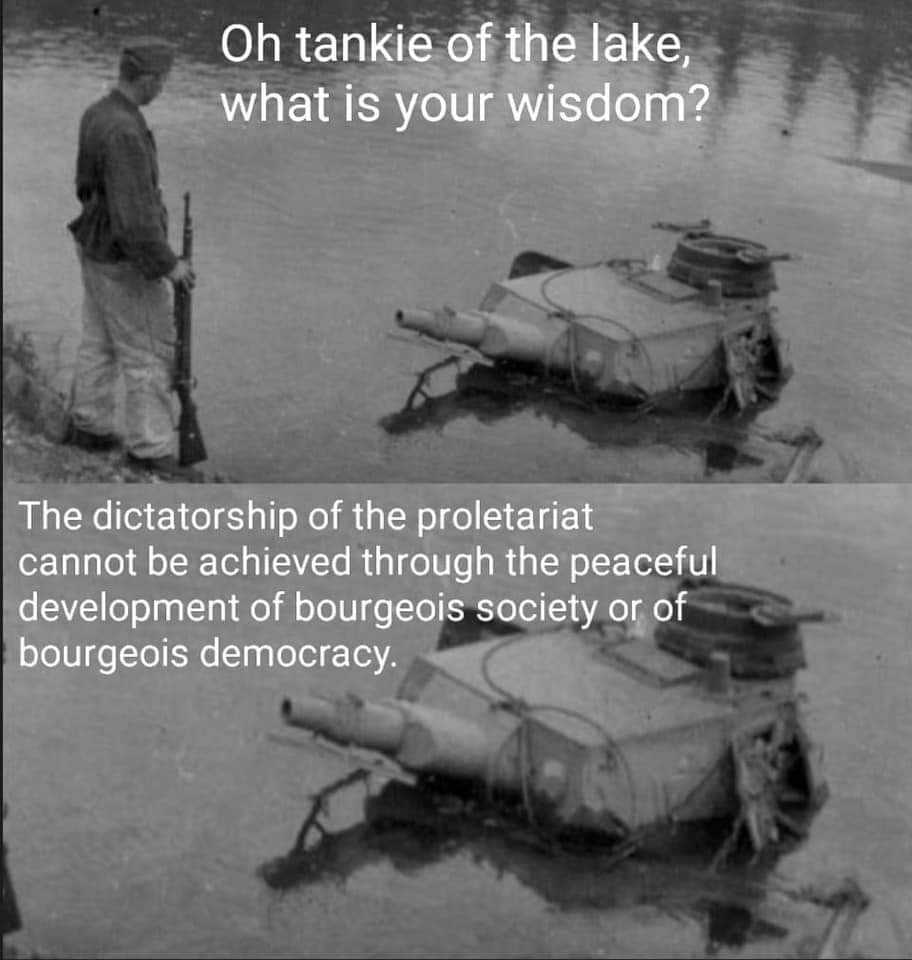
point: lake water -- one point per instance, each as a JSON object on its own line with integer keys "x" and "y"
{"x": 142, "y": 805}
{"x": 310, "y": 236}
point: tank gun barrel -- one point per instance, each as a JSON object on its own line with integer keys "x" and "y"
{"x": 501, "y": 336}
{"x": 420, "y": 738}
{"x": 757, "y": 258}
{"x": 780, "y": 615}
{"x": 445, "y": 324}
{"x": 347, "y": 720}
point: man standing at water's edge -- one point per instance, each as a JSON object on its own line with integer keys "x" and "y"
{"x": 122, "y": 241}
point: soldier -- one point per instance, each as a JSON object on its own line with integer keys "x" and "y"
{"x": 126, "y": 261}
{"x": 10, "y": 921}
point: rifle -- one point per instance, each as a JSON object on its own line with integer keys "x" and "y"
{"x": 191, "y": 448}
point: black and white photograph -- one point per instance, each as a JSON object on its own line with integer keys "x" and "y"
{"x": 689, "y": 266}
{"x": 457, "y": 479}
{"x": 507, "y": 770}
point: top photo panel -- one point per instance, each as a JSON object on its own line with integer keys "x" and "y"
{"x": 418, "y": 241}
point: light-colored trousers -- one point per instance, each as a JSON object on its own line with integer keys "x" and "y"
{"x": 128, "y": 326}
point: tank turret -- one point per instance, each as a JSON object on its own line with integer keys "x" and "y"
{"x": 742, "y": 268}
{"x": 757, "y": 630}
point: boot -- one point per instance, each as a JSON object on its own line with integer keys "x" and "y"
{"x": 166, "y": 468}
{"x": 86, "y": 440}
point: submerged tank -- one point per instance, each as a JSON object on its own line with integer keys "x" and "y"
{"x": 627, "y": 330}
{"x": 606, "y": 731}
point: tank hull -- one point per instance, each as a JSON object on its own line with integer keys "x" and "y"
{"x": 591, "y": 731}
{"x": 617, "y": 330}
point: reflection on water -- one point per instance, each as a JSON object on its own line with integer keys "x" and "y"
{"x": 411, "y": 829}
{"x": 727, "y": 446}
{"x": 869, "y": 40}
{"x": 309, "y": 237}
{"x": 896, "y": 171}
{"x": 738, "y": 903}
{"x": 143, "y": 804}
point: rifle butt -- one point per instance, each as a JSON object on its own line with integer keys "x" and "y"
{"x": 190, "y": 448}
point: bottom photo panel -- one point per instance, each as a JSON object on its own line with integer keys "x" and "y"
{"x": 457, "y": 721}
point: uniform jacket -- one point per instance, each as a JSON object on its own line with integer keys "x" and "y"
{"x": 123, "y": 217}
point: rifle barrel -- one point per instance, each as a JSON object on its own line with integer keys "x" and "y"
{"x": 191, "y": 448}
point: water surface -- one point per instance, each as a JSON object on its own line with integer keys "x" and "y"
{"x": 142, "y": 805}
{"x": 309, "y": 237}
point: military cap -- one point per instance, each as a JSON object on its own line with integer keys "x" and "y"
{"x": 146, "y": 55}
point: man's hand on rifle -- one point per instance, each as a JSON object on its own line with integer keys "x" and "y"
{"x": 183, "y": 274}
